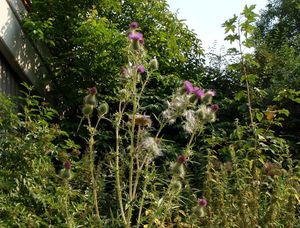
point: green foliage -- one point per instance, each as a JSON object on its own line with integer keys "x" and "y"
{"x": 141, "y": 162}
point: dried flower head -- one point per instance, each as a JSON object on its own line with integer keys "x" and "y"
{"x": 142, "y": 120}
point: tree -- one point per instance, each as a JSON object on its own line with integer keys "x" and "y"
{"x": 88, "y": 50}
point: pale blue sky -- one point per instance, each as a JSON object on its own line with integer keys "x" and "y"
{"x": 206, "y": 16}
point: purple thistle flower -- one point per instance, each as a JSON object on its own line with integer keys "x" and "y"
{"x": 67, "y": 165}
{"x": 198, "y": 92}
{"x": 202, "y": 202}
{"x": 214, "y": 107}
{"x": 93, "y": 90}
{"x": 133, "y": 25}
{"x": 141, "y": 69}
{"x": 181, "y": 159}
{"x": 188, "y": 86}
{"x": 136, "y": 36}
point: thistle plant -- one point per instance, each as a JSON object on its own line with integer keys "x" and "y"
{"x": 139, "y": 141}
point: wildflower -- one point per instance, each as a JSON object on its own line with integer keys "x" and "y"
{"x": 136, "y": 36}
{"x": 181, "y": 159}
{"x": 133, "y": 25}
{"x": 93, "y": 90}
{"x": 141, "y": 69}
{"x": 214, "y": 107}
{"x": 188, "y": 86}
{"x": 198, "y": 92}
{"x": 67, "y": 165}
{"x": 202, "y": 202}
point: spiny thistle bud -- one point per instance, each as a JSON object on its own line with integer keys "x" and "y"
{"x": 87, "y": 110}
{"x": 207, "y": 98}
{"x": 202, "y": 112}
{"x": 103, "y": 109}
{"x": 178, "y": 169}
{"x": 176, "y": 186}
{"x": 181, "y": 159}
{"x": 91, "y": 97}
{"x": 193, "y": 98}
{"x": 124, "y": 94}
{"x": 153, "y": 64}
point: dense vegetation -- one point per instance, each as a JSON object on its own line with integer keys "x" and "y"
{"x": 140, "y": 132}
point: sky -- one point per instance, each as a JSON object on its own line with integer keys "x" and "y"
{"x": 205, "y": 17}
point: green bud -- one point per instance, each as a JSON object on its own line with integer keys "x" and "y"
{"x": 87, "y": 109}
{"x": 153, "y": 64}
{"x": 207, "y": 99}
{"x": 178, "y": 170}
{"x": 90, "y": 100}
{"x": 103, "y": 108}
{"x": 65, "y": 173}
{"x": 176, "y": 186}
{"x": 193, "y": 98}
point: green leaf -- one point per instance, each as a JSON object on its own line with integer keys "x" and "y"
{"x": 259, "y": 116}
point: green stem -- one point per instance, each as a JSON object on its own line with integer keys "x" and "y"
{"x": 69, "y": 219}
{"x": 247, "y": 82}
{"x": 143, "y": 197}
{"x": 92, "y": 158}
{"x": 118, "y": 185}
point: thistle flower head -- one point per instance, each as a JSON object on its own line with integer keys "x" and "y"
{"x": 141, "y": 69}
{"x": 133, "y": 25}
{"x": 93, "y": 90}
{"x": 188, "y": 86}
{"x": 136, "y": 36}
{"x": 198, "y": 92}
{"x": 202, "y": 202}
{"x": 181, "y": 159}
{"x": 67, "y": 165}
{"x": 214, "y": 107}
